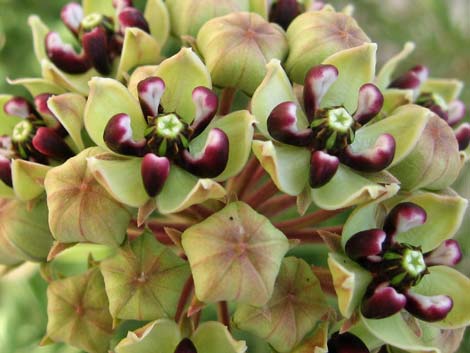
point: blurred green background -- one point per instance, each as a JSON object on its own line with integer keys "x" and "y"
{"x": 440, "y": 28}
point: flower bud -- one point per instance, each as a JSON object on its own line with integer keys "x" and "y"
{"x": 188, "y": 16}
{"x": 237, "y": 47}
{"x": 315, "y": 35}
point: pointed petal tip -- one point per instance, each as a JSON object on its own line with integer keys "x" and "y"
{"x": 282, "y": 126}
{"x": 374, "y": 159}
{"x": 212, "y": 160}
{"x": 428, "y": 308}
{"x": 384, "y": 302}
{"x": 118, "y": 136}
{"x": 323, "y": 167}
{"x": 155, "y": 171}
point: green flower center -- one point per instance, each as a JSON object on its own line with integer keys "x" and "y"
{"x": 92, "y": 20}
{"x": 22, "y": 131}
{"x": 340, "y": 120}
{"x": 413, "y": 262}
{"x": 169, "y": 126}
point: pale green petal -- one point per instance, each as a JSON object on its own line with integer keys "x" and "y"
{"x": 178, "y": 93}
{"x": 6, "y": 192}
{"x": 139, "y": 48}
{"x": 347, "y": 188}
{"x": 28, "y": 178}
{"x": 385, "y": 76}
{"x": 158, "y": 19}
{"x": 40, "y": 31}
{"x": 121, "y": 177}
{"x": 182, "y": 190}
{"x": 273, "y": 90}
{"x": 104, "y": 7}
{"x": 394, "y": 98}
{"x": 213, "y": 337}
{"x": 287, "y": 165}
{"x": 444, "y": 280}
{"x": 69, "y": 109}
{"x": 356, "y": 67}
{"x": 107, "y": 98}
{"x": 37, "y": 86}
{"x": 446, "y": 88}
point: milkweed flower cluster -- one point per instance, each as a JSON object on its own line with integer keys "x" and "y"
{"x": 252, "y": 182}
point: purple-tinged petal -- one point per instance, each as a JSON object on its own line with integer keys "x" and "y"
{"x": 346, "y": 343}
{"x": 185, "y": 346}
{"x": 118, "y": 136}
{"x": 439, "y": 111}
{"x": 366, "y": 243}
{"x": 49, "y": 143}
{"x": 40, "y": 101}
{"x": 283, "y": 12}
{"x": 95, "y": 45}
{"x": 64, "y": 56}
{"x": 317, "y": 82}
{"x": 5, "y": 171}
{"x": 150, "y": 93}
{"x": 155, "y": 171}
{"x": 131, "y": 17}
{"x": 206, "y": 103}
{"x": 373, "y": 159}
{"x": 384, "y": 302}
{"x": 447, "y": 254}
{"x": 403, "y": 217}
{"x": 463, "y": 136}
{"x": 119, "y": 5}
{"x": 212, "y": 160}
{"x": 323, "y": 167}
{"x": 431, "y": 309}
{"x": 72, "y": 16}
{"x": 456, "y": 112}
{"x": 411, "y": 79}
{"x": 282, "y": 126}
{"x": 370, "y": 103}
{"x": 18, "y": 106}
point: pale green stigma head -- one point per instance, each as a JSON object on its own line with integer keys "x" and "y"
{"x": 413, "y": 262}
{"x": 92, "y": 20}
{"x": 340, "y": 120}
{"x": 169, "y": 126}
{"x": 22, "y": 131}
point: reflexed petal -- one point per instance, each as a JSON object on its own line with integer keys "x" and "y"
{"x": 212, "y": 160}
{"x": 323, "y": 167}
{"x": 370, "y": 103}
{"x": 411, "y": 79}
{"x": 64, "y": 56}
{"x": 48, "y": 142}
{"x": 72, "y": 16}
{"x": 150, "y": 92}
{"x": 5, "y": 171}
{"x": 402, "y": 218}
{"x": 428, "y": 308}
{"x": 384, "y": 302}
{"x": 158, "y": 18}
{"x": 365, "y": 243}
{"x": 155, "y": 171}
{"x": 206, "y": 103}
{"x": 317, "y": 82}
{"x": 448, "y": 254}
{"x": 118, "y": 136}
{"x": 456, "y": 112}
{"x": 185, "y": 346}
{"x": 282, "y": 126}
{"x": 373, "y": 159}
{"x": 95, "y": 46}
{"x": 18, "y": 106}
{"x": 384, "y": 77}
{"x": 28, "y": 178}
{"x": 463, "y": 136}
{"x": 40, "y": 101}
{"x": 346, "y": 343}
{"x": 131, "y": 17}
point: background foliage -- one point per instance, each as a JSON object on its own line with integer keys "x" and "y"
{"x": 441, "y": 29}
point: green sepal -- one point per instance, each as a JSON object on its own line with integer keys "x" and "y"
{"x": 28, "y": 178}
{"x": 448, "y": 89}
{"x": 158, "y": 18}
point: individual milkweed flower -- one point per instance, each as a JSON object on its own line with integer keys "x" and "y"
{"x": 305, "y": 147}
{"x": 114, "y": 37}
{"x": 438, "y": 95}
{"x": 168, "y": 131}
{"x": 399, "y": 256}
{"x": 36, "y": 137}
